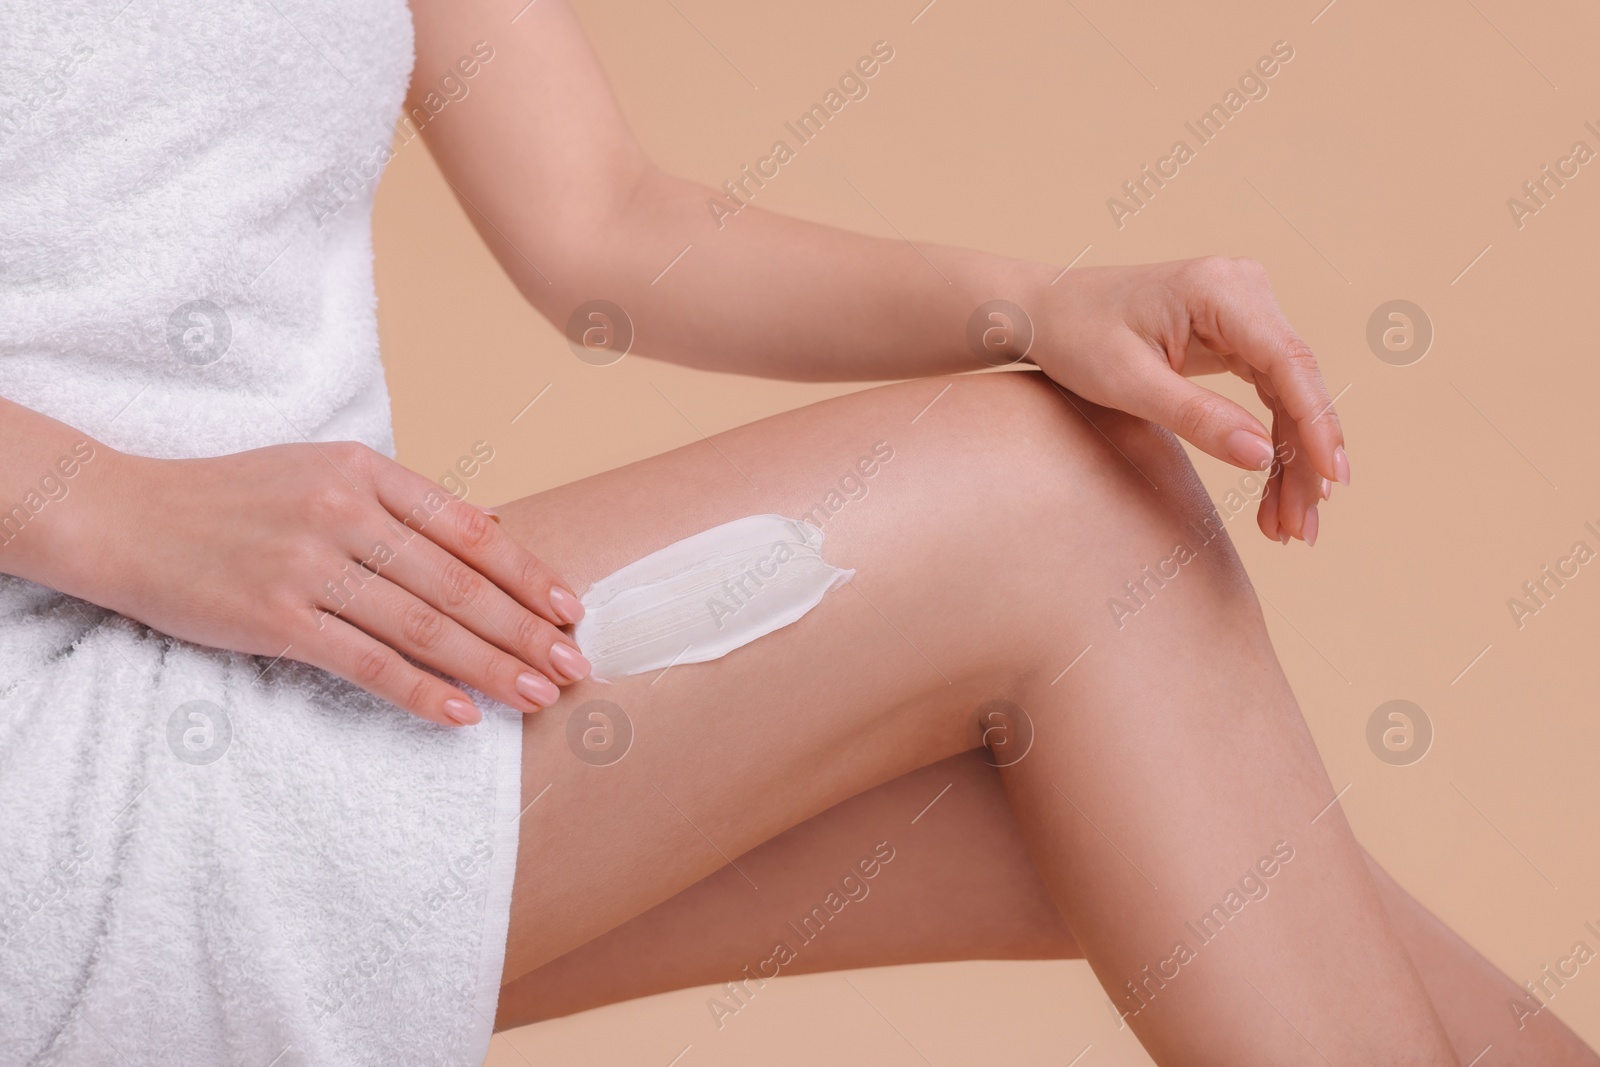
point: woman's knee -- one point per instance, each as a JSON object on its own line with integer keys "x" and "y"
{"x": 1095, "y": 517}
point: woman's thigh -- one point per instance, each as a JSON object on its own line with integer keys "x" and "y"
{"x": 958, "y": 886}
{"x": 982, "y": 548}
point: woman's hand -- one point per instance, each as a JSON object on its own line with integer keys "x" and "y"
{"x": 337, "y": 556}
{"x": 1130, "y": 337}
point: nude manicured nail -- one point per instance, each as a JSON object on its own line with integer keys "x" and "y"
{"x": 495, "y": 515}
{"x": 1327, "y": 489}
{"x": 1308, "y": 527}
{"x": 1341, "y": 465}
{"x": 570, "y": 661}
{"x": 540, "y": 690}
{"x": 1251, "y": 450}
{"x": 462, "y": 712}
{"x": 1283, "y": 536}
{"x": 564, "y": 604}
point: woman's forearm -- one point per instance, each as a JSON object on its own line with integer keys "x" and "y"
{"x": 539, "y": 154}
{"x": 327, "y": 553}
{"x": 565, "y": 196}
{"x": 760, "y": 293}
{"x": 47, "y": 472}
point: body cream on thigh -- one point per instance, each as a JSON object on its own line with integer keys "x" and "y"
{"x": 704, "y": 596}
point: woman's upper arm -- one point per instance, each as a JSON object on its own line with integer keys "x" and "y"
{"x": 520, "y": 117}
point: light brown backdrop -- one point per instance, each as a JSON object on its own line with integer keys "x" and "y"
{"x": 1378, "y": 167}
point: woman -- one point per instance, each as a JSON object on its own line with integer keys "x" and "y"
{"x": 219, "y": 852}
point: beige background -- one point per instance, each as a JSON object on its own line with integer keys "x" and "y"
{"x": 1378, "y": 167}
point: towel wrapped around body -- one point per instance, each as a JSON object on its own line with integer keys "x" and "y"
{"x": 205, "y": 857}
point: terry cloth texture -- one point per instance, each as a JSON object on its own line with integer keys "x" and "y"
{"x": 210, "y": 858}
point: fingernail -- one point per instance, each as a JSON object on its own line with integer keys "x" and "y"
{"x": 537, "y": 688}
{"x": 1308, "y": 527}
{"x": 493, "y": 514}
{"x": 570, "y": 661}
{"x": 1283, "y": 536}
{"x": 564, "y": 604}
{"x": 462, "y": 711}
{"x": 1327, "y": 489}
{"x": 1250, "y": 450}
{"x": 1341, "y": 465}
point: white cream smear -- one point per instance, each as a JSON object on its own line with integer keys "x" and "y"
{"x": 705, "y": 596}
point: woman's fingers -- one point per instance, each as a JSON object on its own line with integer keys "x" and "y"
{"x": 443, "y": 581}
{"x": 443, "y": 585}
{"x": 1272, "y": 492}
{"x": 1267, "y": 513}
{"x": 1209, "y": 421}
{"x": 1293, "y": 520}
{"x": 1223, "y": 429}
{"x": 1296, "y": 488}
{"x": 1236, "y": 313}
{"x": 340, "y": 648}
{"x": 471, "y": 536}
{"x": 408, "y": 624}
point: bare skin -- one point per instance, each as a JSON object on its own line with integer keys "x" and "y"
{"x": 545, "y": 166}
{"x": 1172, "y": 754}
{"x": 961, "y": 888}
{"x": 284, "y": 538}
{"x": 1169, "y": 763}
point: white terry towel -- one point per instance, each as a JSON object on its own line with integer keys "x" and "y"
{"x": 203, "y": 868}
{"x": 209, "y": 858}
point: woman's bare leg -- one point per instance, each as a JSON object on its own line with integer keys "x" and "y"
{"x": 1474, "y": 997}
{"x": 1169, "y": 763}
{"x": 960, "y": 888}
